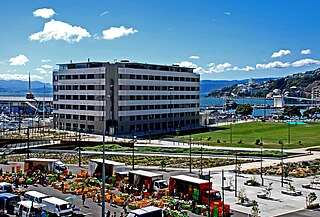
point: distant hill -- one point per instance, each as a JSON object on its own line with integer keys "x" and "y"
{"x": 292, "y": 85}
{"x": 18, "y": 87}
{"x": 207, "y": 86}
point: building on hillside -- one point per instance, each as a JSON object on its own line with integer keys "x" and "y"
{"x": 313, "y": 90}
{"x": 136, "y": 98}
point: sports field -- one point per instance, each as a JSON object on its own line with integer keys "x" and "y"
{"x": 270, "y": 133}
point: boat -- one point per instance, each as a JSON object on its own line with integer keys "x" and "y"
{"x": 230, "y": 104}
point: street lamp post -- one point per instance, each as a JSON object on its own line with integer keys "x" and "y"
{"x": 134, "y": 140}
{"x": 209, "y": 196}
{"x": 190, "y": 160}
{"x": 170, "y": 119}
{"x": 103, "y": 159}
{"x": 28, "y": 143}
{"x": 281, "y": 163}
{"x": 261, "y": 172}
{"x": 236, "y": 176}
{"x": 201, "y": 161}
{"x": 289, "y": 123}
{"x": 222, "y": 184}
{"x": 79, "y": 147}
{"x": 231, "y": 132}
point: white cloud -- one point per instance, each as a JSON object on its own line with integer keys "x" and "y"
{"x": 305, "y": 62}
{"x": 117, "y": 32}
{"x": 45, "y": 60}
{"x": 281, "y": 53}
{"x": 44, "y": 13}
{"x": 57, "y": 30}
{"x": 41, "y": 70}
{"x": 227, "y": 13}
{"x": 275, "y": 64}
{"x": 195, "y": 67}
{"x": 104, "y": 13}
{"x": 46, "y": 66}
{"x": 246, "y": 69}
{"x": 194, "y": 57}
{"x": 18, "y": 60}
{"x": 23, "y": 77}
{"x": 220, "y": 67}
{"x": 306, "y": 51}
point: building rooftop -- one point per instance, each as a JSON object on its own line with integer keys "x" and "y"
{"x": 124, "y": 64}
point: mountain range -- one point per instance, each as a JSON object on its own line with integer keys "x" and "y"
{"x": 18, "y": 87}
{"x": 207, "y": 86}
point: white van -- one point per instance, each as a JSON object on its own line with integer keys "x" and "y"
{"x": 27, "y": 208}
{"x": 35, "y": 196}
{"x": 57, "y": 207}
{"x": 6, "y": 187}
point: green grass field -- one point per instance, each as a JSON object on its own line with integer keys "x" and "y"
{"x": 269, "y": 132}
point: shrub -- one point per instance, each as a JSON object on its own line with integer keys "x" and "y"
{"x": 257, "y": 142}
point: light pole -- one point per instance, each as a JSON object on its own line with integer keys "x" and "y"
{"x": 103, "y": 158}
{"x": 222, "y": 184}
{"x": 79, "y": 147}
{"x": 190, "y": 160}
{"x": 289, "y": 123}
{"x": 170, "y": 124}
{"x": 236, "y": 176}
{"x": 201, "y": 161}
{"x": 281, "y": 142}
{"x": 28, "y": 143}
{"x": 261, "y": 146}
{"x": 134, "y": 140}
{"x": 231, "y": 132}
{"x": 209, "y": 196}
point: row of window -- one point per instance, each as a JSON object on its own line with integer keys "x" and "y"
{"x": 125, "y": 98}
{"x": 152, "y": 107}
{"x": 125, "y": 108}
{"x": 130, "y": 118}
{"x": 158, "y": 88}
{"x": 75, "y": 77}
{"x": 157, "y": 78}
{"x": 78, "y": 97}
{"x": 78, "y": 87}
{"x": 124, "y": 87}
{"x": 135, "y": 128}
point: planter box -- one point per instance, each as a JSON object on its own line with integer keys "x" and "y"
{"x": 296, "y": 193}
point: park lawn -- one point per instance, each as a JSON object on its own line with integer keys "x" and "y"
{"x": 269, "y": 132}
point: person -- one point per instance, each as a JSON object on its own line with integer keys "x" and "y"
{"x": 1, "y": 171}
{"x": 122, "y": 215}
{"x": 99, "y": 200}
{"x": 16, "y": 181}
{"x": 108, "y": 213}
{"x": 62, "y": 186}
{"x": 114, "y": 214}
{"x": 82, "y": 187}
{"x": 124, "y": 206}
{"x": 111, "y": 199}
{"x": 83, "y": 198}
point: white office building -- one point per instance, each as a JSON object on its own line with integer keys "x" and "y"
{"x": 134, "y": 98}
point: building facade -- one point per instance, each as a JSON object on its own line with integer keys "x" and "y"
{"x": 134, "y": 98}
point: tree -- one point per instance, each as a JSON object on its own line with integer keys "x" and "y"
{"x": 244, "y": 109}
{"x": 255, "y": 211}
{"x": 292, "y": 111}
{"x": 310, "y": 198}
{"x": 311, "y": 112}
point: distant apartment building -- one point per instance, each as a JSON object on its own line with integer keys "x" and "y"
{"x": 135, "y": 98}
{"x": 313, "y": 90}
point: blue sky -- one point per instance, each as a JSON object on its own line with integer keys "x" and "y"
{"x": 226, "y": 39}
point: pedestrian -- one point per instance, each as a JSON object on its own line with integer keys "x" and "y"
{"x": 111, "y": 199}
{"x": 1, "y": 171}
{"x": 122, "y": 215}
{"x": 108, "y": 213}
{"x": 99, "y": 200}
{"x": 43, "y": 213}
{"x": 124, "y": 206}
{"x": 83, "y": 198}
{"x": 82, "y": 187}
{"x": 62, "y": 186}
{"x": 121, "y": 187}
{"x": 16, "y": 181}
